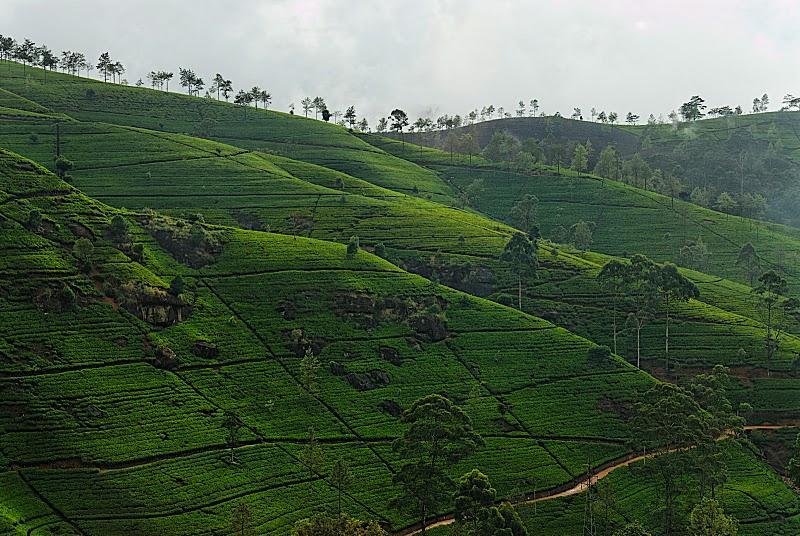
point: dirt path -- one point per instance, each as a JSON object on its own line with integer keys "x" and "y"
{"x": 581, "y": 484}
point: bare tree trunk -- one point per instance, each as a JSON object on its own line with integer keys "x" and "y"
{"x": 520, "y": 292}
{"x": 638, "y": 344}
{"x": 666, "y": 347}
{"x": 615, "y": 327}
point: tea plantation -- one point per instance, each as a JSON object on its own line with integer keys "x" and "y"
{"x": 117, "y": 384}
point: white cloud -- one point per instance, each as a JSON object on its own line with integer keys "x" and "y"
{"x": 445, "y": 55}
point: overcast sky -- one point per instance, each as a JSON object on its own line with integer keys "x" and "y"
{"x": 445, "y": 56}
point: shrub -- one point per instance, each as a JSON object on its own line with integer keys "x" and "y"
{"x": 33, "y": 137}
{"x": 177, "y": 286}
{"x": 34, "y": 220}
{"x": 352, "y": 246}
{"x": 68, "y": 298}
{"x": 63, "y": 165}
{"x": 380, "y": 250}
{"x": 83, "y": 249}
{"x": 119, "y": 230}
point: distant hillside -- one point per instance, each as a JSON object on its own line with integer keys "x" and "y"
{"x": 756, "y": 153}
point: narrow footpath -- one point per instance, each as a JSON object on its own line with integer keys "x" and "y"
{"x": 576, "y": 486}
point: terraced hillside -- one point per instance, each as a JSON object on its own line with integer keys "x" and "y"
{"x": 183, "y": 175}
{"x": 95, "y": 406}
{"x": 373, "y": 325}
{"x": 739, "y": 153}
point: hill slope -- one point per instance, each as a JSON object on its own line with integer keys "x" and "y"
{"x": 183, "y": 175}
{"x": 741, "y": 153}
{"x": 124, "y": 421}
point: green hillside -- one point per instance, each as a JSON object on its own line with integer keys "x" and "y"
{"x": 137, "y": 382}
{"x": 123, "y": 420}
{"x": 752, "y": 153}
{"x": 180, "y": 175}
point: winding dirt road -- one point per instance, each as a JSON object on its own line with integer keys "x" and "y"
{"x": 581, "y": 484}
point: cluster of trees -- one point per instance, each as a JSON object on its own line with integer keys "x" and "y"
{"x": 160, "y": 79}
{"x": 111, "y": 68}
{"x": 683, "y": 426}
{"x": 439, "y": 435}
{"x": 28, "y": 53}
{"x": 749, "y": 205}
{"x": 640, "y": 287}
{"x": 188, "y": 79}
{"x": 679, "y": 426}
{"x": 530, "y": 154}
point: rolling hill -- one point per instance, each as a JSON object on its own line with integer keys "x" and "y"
{"x": 272, "y": 199}
{"x": 755, "y": 153}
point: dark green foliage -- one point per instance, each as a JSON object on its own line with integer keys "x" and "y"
{"x": 439, "y": 435}
{"x": 118, "y": 230}
{"x": 632, "y": 529}
{"x": 177, "y": 286}
{"x": 793, "y": 468}
{"x": 34, "y": 219}
{"x": 63, "y": 165}
{"x": 341, "y": 525}
{"x": 476, "y": 513}
{"x": 599, "y": 355}
{"x": 521, "y": 253}
{"x": 708, "y": 518}
{"x": 352, "y": 246}
{"x": 83, "y": 249}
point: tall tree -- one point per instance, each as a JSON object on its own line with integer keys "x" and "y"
{"x": 523, "y": 213}
{"x": 707, "y": 518}
{"x": 749, "y": 262}
{"x": 265, "y": 97}
{"x": 226, "y": 86}
{"x": 217, "y": 83}
{"x": 520, "y": 252}
{"x": 103, "y": 64}
{"x": 232, "y": 425}
{"x": 673, "y": 287}
{"x": 350, "y": 116}
{"x": 319, "y": 104}
{"x": 187, "y": 79}
{"x": 580, "y": 159}
{"x": 775, "y": 310}
{"x": 613, "y": 278}
{"x": 307, "y": 104}
{"x": 726, "y": 203}
{"x": 439, "y": 434}
{"x": 476, "y": 513}
{"x": 312, "y": 458}
{"x": 692, "y": 109}
{"x": 255, "y": 94}
{"x": 399, "y": 121}
{"x": 341, "y": 479}
{"x": 607, "y": 163}
{"x": 581, "y": 233}
{"x": 670, "y": 420}
{"x": 641, "y": 280}
{"x": 7, "y": 45}
{"x": 241, "y": 520}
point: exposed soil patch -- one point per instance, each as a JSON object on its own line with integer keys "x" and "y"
{"x": 425, "y": 315}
